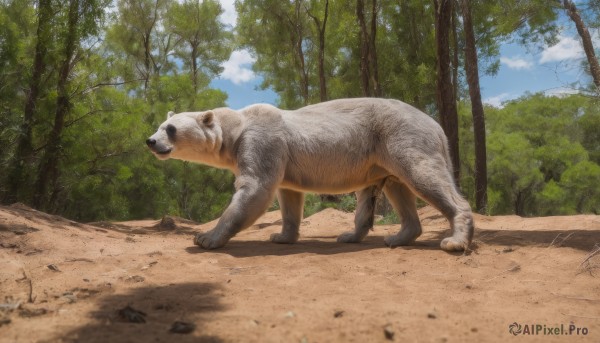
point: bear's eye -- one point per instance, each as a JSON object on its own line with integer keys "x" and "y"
{"x": 171, "y": 130}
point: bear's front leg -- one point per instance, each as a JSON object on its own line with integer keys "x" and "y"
{"x": 249, "y": 202}
{"x": 366, "y": 200}
{"x": 292, "y": 205}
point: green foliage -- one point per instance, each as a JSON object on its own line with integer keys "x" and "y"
{"x": 313, "y": 204}
{"x": 120, "y": 89}
{"x": 143, "y": 58}
{"x": 538, "y": 156}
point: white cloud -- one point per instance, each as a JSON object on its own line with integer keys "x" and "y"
{"x": 229, "y": 17}
{"x": 236, "y": 69}
{"x": 560, "y": 92}
{"x": 567, "y": 48}
{"x": 516, "y": 63}
{"x": 497, "y": 100}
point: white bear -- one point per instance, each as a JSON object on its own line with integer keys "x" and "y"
{"x": 363, "y": 145}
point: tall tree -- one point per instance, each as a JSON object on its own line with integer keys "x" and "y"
{"x": 368, "y": 54}
{"x": 24, "y": 149}
{"x": 321, "y": 26}
{"x": 586, "y": 40}
{"x": 81, "y": 21}
{"x": 135, "y": 33}
{"x": 472, "y": 71}
{"x": 278, "y": 34}
{"x": 205, "y": 42}
{"x": 446, "y": 101}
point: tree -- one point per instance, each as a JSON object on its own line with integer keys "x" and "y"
{"x": 586, "y": 40}
{"x": 203, "y": 42}
{"x": 24, "y": 149}
{"x": 81, "y": 22}
{"x": 446, "y": 101}
{"x": 472, "y": 71}
{"x": 135, "y": 34}
{"x": 321, "y": 26}
{"x": 368, "y": 54}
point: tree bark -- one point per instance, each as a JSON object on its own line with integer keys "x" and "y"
{"x": 364, "y": 49}
{"x": 373, "y": 51}
{"x": 472, "y": 71}
{"x": 446, "y": 101}
{"x": 297, "y": 38}
{"x": 24, "y": 147}
{"x": 48, "y": 170}
{"x": 321, "y": 60}
{"x": 586, "y": 40}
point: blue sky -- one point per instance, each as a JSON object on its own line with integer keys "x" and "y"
{"x": 549, "y": 69}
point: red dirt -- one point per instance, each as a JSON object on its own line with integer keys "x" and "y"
{"x": 523, "y": 270}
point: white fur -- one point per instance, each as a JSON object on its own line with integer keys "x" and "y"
{"x": 365, "y": 145}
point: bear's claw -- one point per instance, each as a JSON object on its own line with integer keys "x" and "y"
{"x": 206, "y": 241}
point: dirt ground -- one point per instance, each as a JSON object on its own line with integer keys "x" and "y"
{"x": 62, "y": 281}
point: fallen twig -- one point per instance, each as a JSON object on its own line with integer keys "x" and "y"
{"x": 593, "y": 253}
{"x": 563, "y": 240}
{"x": 514, "y": 268}
{"x": 31, "y": 298}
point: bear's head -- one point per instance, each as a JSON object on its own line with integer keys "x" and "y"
{"x": 189, "y": 136}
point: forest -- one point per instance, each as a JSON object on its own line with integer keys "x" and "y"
{"x": 83, "y": 83}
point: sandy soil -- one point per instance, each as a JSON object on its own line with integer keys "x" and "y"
{"x": 65, "y": 281}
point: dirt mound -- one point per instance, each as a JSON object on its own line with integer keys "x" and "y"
{"x": 144, "y": 281}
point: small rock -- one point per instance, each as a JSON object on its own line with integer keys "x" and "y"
{"x": 149, "y": 265}
{"x": 135, "y": 278}
{"x": 167, "y": 223}
{"x": 290, "y": 314}
{"x": 474, "y": 330}
{"x": 338, "y": 314}
{"x": 131, "y": 315}
{"x": 431, "y": 315}
{"x": 388, "y": 332}
{"x": 53, "y": 267}
{"x": 28, "y": 313}
{"x": 4, "y": 321}
{"x": 182, "y": 327}
{"x": 69, "y": 297}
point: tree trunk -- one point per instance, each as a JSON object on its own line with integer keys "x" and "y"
{"x": 586, "y": 40}
{"x": 455, "y": 55}
{"x": 48, "y": 170}
{"x": 195, "y": 66}
{"x": 472, "y": 71}
{"x": 24, "y": 147}
{"x": 446, "y": 101}
{"x": 364, "y": 48}
{"x": 373, "y": 51}
{"x": 297, "y": 38}
{"x": 321, "y": 29}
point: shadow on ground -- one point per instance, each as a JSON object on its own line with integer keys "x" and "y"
{"x": 577, "y": 239}
{"x": 162, "y": 306}
{"x": 238, "y": 248}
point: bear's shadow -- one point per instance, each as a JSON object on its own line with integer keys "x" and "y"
{"x": 320, "y": 245}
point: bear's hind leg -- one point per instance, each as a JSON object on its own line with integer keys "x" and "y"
{"x": 365, "y": 212}
{"x": 292, "y": 205}
{"x": 433, "y": 182}
{"x": 404, "y": 202}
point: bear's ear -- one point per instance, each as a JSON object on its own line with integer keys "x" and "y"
{"x": 170, "y": 114}
{"x": 206, "y": 119}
